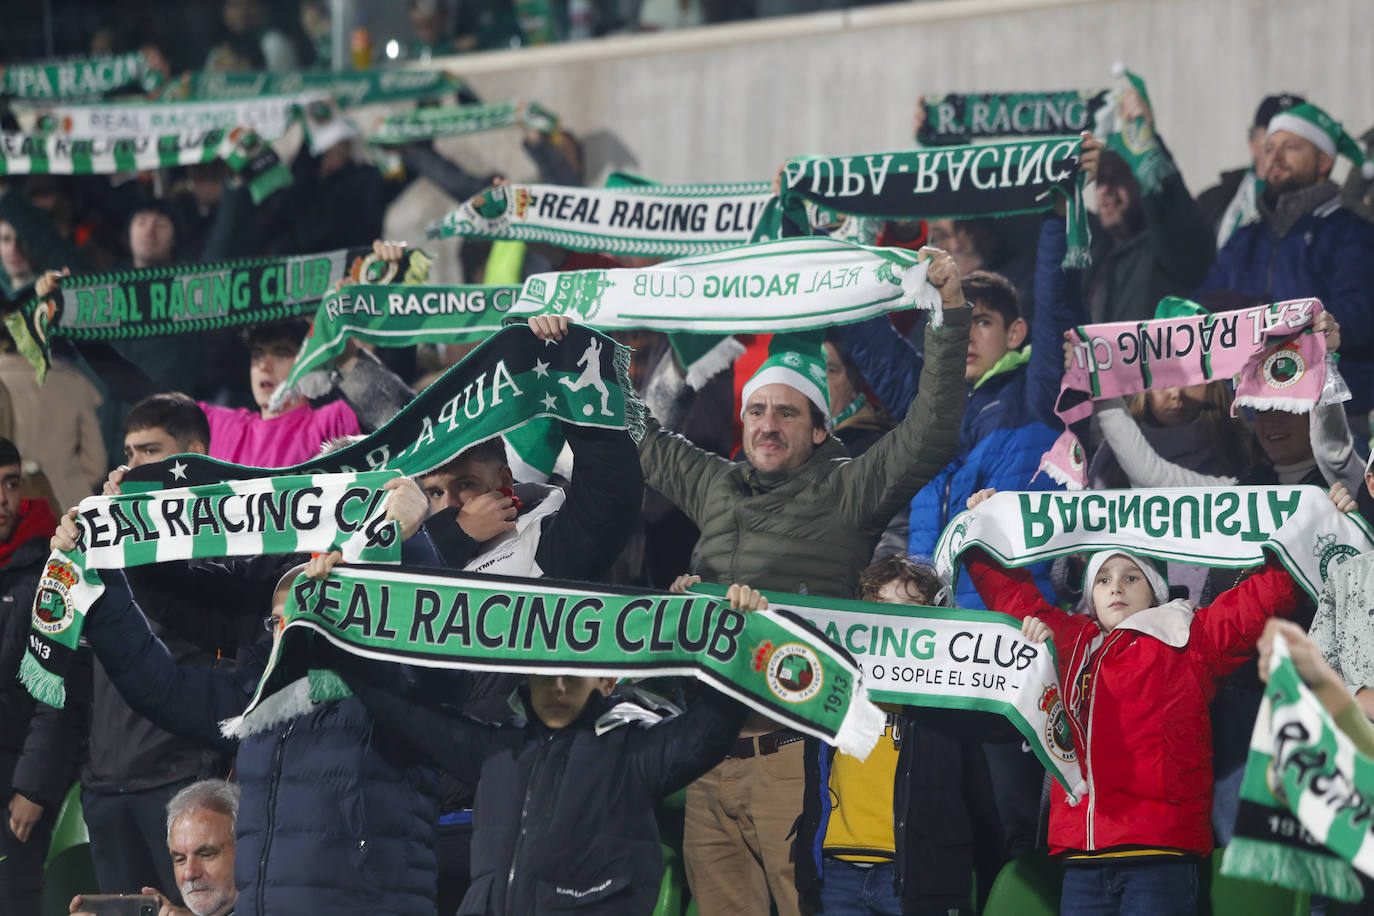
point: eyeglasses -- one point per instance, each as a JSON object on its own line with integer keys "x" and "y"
{"x": 272, "y": 623}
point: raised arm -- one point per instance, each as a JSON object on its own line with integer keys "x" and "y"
{"x": 887, "y": 360}
{"x": 874, "y": 486}
{"x": 678, "y": 469}
{"x": 672, "y": 754}
{"x": 1227, "y": 630}
{"x": 1013, "y": 591}
{"x": 1058, "y": 307}
{"x": 1144, "y": 466}
{"x": 583, "y": 539}
{"x": 184, "y": 700}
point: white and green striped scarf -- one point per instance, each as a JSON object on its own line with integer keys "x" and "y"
{"x": 1307, "y": 795}
{"x": 787, "y": 285}
{"x": 456, "y": 120}
{"x": 290, "y": 514}
{"x": 1228, "y": 527}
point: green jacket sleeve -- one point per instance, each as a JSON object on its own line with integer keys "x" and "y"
{"x": 874, "y": 486}
{"x": 678, "y": 469}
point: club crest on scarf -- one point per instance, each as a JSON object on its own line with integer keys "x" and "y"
{"x": 794, "y": 673}
{"x": 1058, "y": 737}
{"x": 52, "y": 612}
{"x": 1328, "y": 551}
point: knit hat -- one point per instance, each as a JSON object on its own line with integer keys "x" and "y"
{"x": 324, "y": 126}
{"x": 1151, "y": 572}
{"x": 797, "y": 361}
{"x": 1326, "y": 133}
{"x": 1178, "y": 307}
{"x": 1274, "y": 104}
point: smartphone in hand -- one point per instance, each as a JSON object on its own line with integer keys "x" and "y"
{"x": 119, "y": 905}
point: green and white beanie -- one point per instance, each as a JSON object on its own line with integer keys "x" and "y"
{"x": 797, "y": 361}
{"x": 1323, "y": 131}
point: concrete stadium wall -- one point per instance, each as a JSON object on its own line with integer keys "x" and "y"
{"x": 731, "y": 102}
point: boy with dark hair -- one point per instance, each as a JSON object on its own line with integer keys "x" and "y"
{"x": 163, "y": 425}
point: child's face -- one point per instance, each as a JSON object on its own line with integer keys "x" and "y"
{"x": 558, "y": 699}
{"x": 1119, "y": 591}
{"x": 901, "y": 591}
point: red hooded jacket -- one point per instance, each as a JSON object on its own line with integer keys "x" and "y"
{"x": 1137, "y": 700}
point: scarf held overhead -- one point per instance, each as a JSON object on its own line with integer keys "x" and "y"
{"x": 1228, "y": 528}
{"x": 365, "y": 87}
{"x": 949, "y": 659}
{"x": 1306, "y": 797}
{"x": 648, "y": 221}
{"x": 957, "y": 118}
{"x": 1270, "y": 351}
{"x": 766, "y": 660}
{"x": 956, "y": 182}
{"x": 186, "y": 298}
{"x": 396, "y": 318}
{"x": 455, "y": 120}
{"x": 86, "y": 77}
{"x": 287, "y": 514}
{"x": 508, "y": 380}
{"x": 787, "y": 285}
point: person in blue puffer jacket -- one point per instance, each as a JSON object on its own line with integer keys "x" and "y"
{"x": 331, "y": 819}
{"x": 1306, "y": 244}
{"x": 1009, "y": 420}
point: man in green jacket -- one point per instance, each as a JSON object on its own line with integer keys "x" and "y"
{"x": 798, "y": 515}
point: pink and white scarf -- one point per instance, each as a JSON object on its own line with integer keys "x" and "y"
{"x": 1270, "y": 351}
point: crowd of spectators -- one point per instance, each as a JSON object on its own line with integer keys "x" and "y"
{"x": 841, "y": 490}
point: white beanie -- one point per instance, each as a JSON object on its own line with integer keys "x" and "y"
{"x": 1148, "y": 569}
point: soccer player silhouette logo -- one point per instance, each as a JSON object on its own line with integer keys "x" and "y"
{"x": 590, "y": 361}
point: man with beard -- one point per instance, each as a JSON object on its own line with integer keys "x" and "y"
{"x": 1306, "y": 244}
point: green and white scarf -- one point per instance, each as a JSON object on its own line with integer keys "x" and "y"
{"x": 1306, "y": 797}
{"x": 398, "y": 317}
{"x": 267, "y": 115}
{"x": 244, "y": 151}
{"x": 958, "y": 118}
{"x": 455, "y": 120}
{"x": 348, "y": 88}
{"x": 767, "y": 660}
{"x": 1135, "y": 140}
{"x": 84, "y": 77}
{"x": 186, "y": 298}
{"x": 788, "y": 285}
{"x": 945, "y": 658}
{"x": 1223, "y": 527}
{"x": 287, "y": 514}
{"x": 505, "y": 382}
{"x": 955, "y": 182}
{"x": 648, "y": 221}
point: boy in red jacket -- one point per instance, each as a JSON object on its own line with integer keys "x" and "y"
{"x": 1137, "y": 677}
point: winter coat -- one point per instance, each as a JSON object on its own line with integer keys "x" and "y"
{"x": 932, "y": 825}
{"x": 331, "y": 819}
{"x": 56, "y": 424}
{"x": 1168, "y": 257}
{"x": 1009, "y": 421}
{"x": 813, "y": 529}
{"x": 565, "y": 818}
{"x": 1327, "y": 252}
{"x": 1141, "y": 726}
{"x": 43, "y": 743}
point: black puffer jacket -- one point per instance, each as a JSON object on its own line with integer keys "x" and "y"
{"x": 565, "y": 818}
{"x": 42, "y": 743}
{"x": 331, "y": 820}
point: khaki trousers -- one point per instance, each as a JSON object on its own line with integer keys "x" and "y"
{"x": 735, "y": 839}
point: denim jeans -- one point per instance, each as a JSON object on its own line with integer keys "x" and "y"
{"x": 848, "y": 890}
{"x": 1149, "y": 888}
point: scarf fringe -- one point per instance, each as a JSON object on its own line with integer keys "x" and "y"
{"x": 1286, "y": 866}
{"x": 862, "y": 727}
{"x": 635, "y": 411}
{"x": 1288, "y": 404}
{"x": 314, "y": 384}
{"x": 291, "y": 702}
{"x": 719, "y": 358}
{"x": 42, "y": 684}
{"x": 1060, "y": 476}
